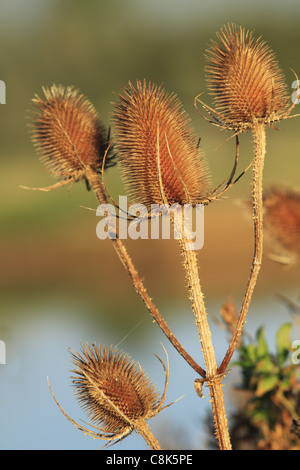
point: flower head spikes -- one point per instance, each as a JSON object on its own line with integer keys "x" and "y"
{"x": 282, "y": 222}
{"x": 68, "y": 134}
{"x": 116, "y": 395}
{"x": 112, "y": 389}
{"x": 158, "y": 154}
{"x": 245, "y": 80}
{"x": 249, "y": 92}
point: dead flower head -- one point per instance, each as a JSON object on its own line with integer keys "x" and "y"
{"x": 116, "y": 395}
{"x": 68, "y": 134}
{"x": 158, "y": 154}
{"x": 282, "y": 222}
{"x": 245, "y": 80}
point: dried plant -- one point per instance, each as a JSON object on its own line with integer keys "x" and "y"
{"x": 116, "y": 395}
{"x": 282, "y": 222}
{"x": 249, "y": 93}
{"x": 228, "y": 315}
{"x": 70, "y": 139}
{"x": 69, "y": 135}
{"x": 245, "y": 80}
{"x": 161, "y": 164}
{"x": 158, "y": 154}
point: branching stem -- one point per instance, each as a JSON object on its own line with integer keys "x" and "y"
{"x": 259, "y": 134}
{"x": 213, "y": 380}
{"x": 143, "y": 429}
{"x": 94, "y": 181}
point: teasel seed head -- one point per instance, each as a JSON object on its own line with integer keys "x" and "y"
{"x": 282, "y": 222}
{"x": 158, "y": 154}
{"x": 68, "y": 133}
{"x": 114, "y": 391}
{"x": 245, "y": 80}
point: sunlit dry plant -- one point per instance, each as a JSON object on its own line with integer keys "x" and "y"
{"x": 56, "y": 123}
{"x": 162, "y": 164}
{"x": 249, "y": 92}
{"x": 245, "y": 80}
{"x": 69, "y": 135}
{"x": 116, "y": 395}
{"x": 157, "y": 150}
{"x": 228, "y": 314}
{"x": 73, "y": 143}
{"x": 282, "y": 222}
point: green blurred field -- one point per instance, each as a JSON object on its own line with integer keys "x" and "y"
{"x": 46, "y": 238}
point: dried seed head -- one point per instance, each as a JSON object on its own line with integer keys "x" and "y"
{"x": 68, "y": 133}
{"x": 159, "y": 156}
{"x": 229, "y": 314}
{"x": 113, "y": 390}
{"x": 282, "y": 220}
{"x": 245, "y": 80}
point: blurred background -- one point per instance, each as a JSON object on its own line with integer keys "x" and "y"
{"x": 59, "y": 283}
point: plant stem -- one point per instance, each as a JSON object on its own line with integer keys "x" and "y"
{"x": 259, "y": 134}
{"x": 93, "y": 179}
{"x": 214, "y": 381}
{"x": 145, "y": 432}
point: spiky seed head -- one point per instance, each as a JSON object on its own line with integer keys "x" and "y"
{"x": 68, "y": 133}
{"x": 112, "y": 389}
{"x": 282, "y": 220}
{"x": 157, "y": 150}
{"x": 245, "y": 80}
{"x": 229, "y": 314}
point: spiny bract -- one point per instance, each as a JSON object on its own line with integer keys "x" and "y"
{"x": 245, "y": 80}
{"x": 158, "y": 153}
{"x": 68, "y": 133}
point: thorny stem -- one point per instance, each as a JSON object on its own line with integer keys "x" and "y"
{"x": 143, "y": 429}
{"x": 93, "y": 179}
{"x": 259, "y": 134}
{"x": 213, "y": 380}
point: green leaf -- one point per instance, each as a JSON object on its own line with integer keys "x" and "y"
{"x": 248, "y": 353}
{"x": 259, "y": 416}
{"x": 266, "y": 384}
{"x": 262, "y": 347}
{"x": 283, "y": 342}
{"x": 285, "y": 383}
{"x": 265, "y": 364}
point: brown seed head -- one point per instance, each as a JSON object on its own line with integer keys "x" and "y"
{"x": 245, "y": 80}
{"x": 112, "y": 389}
{"x": 68, "y": 133}
{"x": 282, "y": 220}
{"x": 159, "y": 156}
{"x": 229, "y": 314}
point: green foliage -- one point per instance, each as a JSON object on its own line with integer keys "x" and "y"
{"x": 283, "y": 343}
{"x": 270, "y": 378}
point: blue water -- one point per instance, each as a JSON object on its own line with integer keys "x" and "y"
{"x": 37, "y": 348}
